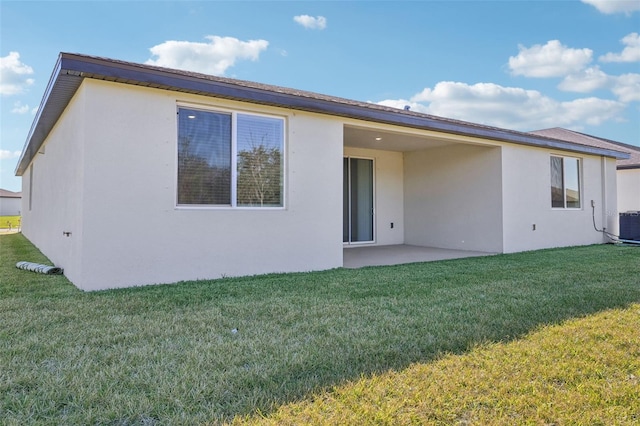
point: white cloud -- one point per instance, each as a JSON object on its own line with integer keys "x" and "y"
{"x": 213, "y": 57}
{"x": 9, "y": 155}
{"x": 627, "y": 87}
{"x": 615, "y": 6}
{"x": 18, "y": 108}
{"x": 14, "y": 74}
{"x": 631, "y": 52}
{"x": 551, "y": 60}
{"x": 310, "y": 22}
{"x": 508, "y": 107}
{"x": 586, "y": 81}
{"x": 592, "y": 111}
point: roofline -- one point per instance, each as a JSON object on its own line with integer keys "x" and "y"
{"x": 621, "y": 144}
{"x": 590, "y": 140}
{"x": 72, "y": 69}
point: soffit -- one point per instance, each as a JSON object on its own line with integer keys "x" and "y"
{"x": 360, "y": 137}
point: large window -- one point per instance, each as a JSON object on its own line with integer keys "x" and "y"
{"x": 229, "y": 159}
{"x": 565, "y": 182}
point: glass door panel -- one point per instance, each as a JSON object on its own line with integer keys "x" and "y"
{"x": 358, "y": 200}
{"x": 346, "y": 221}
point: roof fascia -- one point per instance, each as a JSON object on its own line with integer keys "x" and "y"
{"x": 29, "y": 150}
{"x": 80, "y": 67}
{"x": 172, "y": 81}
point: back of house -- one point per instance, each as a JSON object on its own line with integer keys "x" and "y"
{"x": 135, "y": 174}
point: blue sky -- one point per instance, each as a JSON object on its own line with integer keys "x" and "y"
{"x": 523, "y": 65}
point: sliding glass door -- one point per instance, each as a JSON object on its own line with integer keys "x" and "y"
{"x": 357, "y": 218}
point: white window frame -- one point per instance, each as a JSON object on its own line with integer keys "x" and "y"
{"x": 564, "y": 182}
{"x": 234, "y": 159}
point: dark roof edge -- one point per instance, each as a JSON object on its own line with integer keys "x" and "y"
{"x": 629, "y": 167}
{"x": 27, "y": 155}
{"x": 621, "y": 144}
{"x": 79, "y": 67}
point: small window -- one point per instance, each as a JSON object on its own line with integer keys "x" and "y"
{"x": 229, "y": 159}
{"x": 565, "y": 183}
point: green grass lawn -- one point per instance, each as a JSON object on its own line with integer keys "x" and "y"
{"x": 9, "y": 222}
{"x": 583, "y": 372}
{"x": 355, "y": 346}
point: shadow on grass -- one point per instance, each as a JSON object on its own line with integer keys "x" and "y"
{"x": 170, "y": 352}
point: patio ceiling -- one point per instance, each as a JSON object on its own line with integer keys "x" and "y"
{"x": 369, "y": 138}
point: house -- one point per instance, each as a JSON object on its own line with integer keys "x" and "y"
{"x": 10, "y": 203}
{"x": 135, "y": 174}
{"x": 628, "y": 169}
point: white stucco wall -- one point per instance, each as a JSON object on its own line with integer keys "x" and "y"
{"x": 55, "y": 204}
{"x": 628, "y": 190}
{"x": 389, "y": 204}
{"x": 527, "y": 201}
{"x": 452, "y": 198}
{"x": 132, "y": 232}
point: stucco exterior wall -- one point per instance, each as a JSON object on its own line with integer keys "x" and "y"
{"x": 628, "y": 190}
{"x": 389, "y": 195}
{"x": 133, "y": 233}
{"x": 527, "y": 201}
{"x": 55, "y": 204}
{"x": 452, "y": 198}
{"x": 609, "y": 208}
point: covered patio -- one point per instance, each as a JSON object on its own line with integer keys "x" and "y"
{"x": 406, "y": 191}
{"x": 358, "y": 257}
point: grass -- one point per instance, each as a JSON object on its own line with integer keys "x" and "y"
{"x": 584, "y": 371}
{"x": 9, "y": 222}
{"x": 339, "y": 339}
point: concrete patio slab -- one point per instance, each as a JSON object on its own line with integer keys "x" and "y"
{"x": 358, "y": 257}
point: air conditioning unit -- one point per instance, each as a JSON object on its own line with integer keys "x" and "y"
{"x": 630, "y": 226}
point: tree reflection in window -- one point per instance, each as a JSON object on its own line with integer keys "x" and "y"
{"x": 206, "y": 156}
{"x": 259, "y": 161}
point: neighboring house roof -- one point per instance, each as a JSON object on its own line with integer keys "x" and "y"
{"x": 633, "y": 162}
{"x": 71, "y": 69}
{"x": 9, "y": 194}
